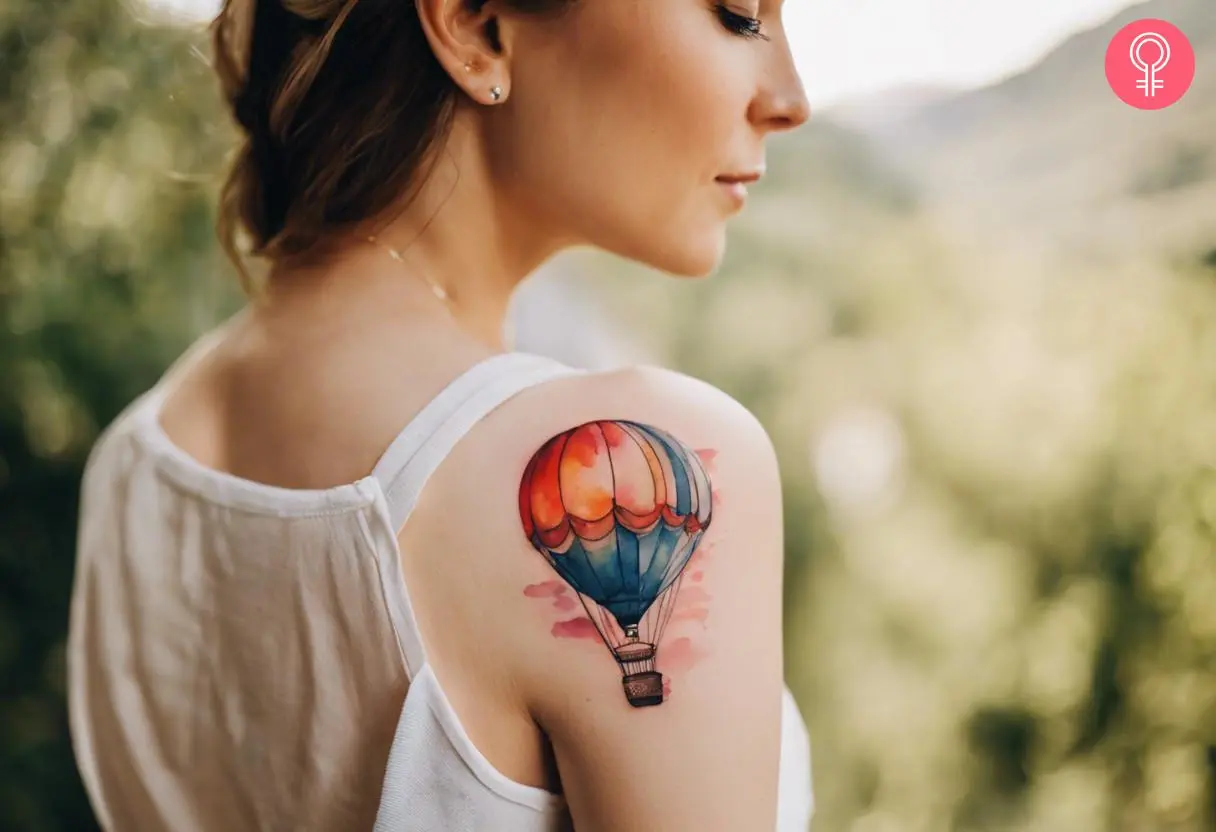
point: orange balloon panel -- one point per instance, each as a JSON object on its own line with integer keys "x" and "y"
{"x": 591, "y": 476}
{"x": 586, "y": 481}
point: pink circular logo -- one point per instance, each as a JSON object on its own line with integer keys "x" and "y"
{"x": 1150, "y": 64}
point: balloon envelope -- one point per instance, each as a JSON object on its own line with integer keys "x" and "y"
{"x": 617, "y": 508}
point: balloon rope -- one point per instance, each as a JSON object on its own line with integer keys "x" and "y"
{"x": 599, "y": 629}
{"x": 675, "y": 559}
{"x": 669, "y": 608}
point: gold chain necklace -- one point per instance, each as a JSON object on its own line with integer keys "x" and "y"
{"x": 442, "y": 294}
{"x": 438, "y": 291}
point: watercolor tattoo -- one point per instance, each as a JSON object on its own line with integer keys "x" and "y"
{"x": 618, "y": 509}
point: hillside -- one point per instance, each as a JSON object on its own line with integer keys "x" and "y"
{"x": 1052, "y": 153}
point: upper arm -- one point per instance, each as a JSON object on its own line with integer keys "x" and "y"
{"x": 706, "y": 756}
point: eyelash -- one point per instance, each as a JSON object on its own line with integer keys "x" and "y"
{"x": 740, "y": 24}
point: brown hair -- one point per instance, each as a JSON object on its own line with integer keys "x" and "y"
{"x": 340, "y": 103}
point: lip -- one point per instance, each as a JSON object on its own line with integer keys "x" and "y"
{"x": 735, "y": 184}
{"x": 745, "y": 178}
{"x": 735, "y": 191}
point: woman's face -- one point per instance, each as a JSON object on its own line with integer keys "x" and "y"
{"x": 628, "y": 120}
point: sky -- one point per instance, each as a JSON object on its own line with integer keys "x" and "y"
{"x": 846, "y": 48}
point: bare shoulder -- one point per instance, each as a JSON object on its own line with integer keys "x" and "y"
{"x": 695, "y": 412}
{"x": 624, "y": 531}
{"x": 683, "y": 397}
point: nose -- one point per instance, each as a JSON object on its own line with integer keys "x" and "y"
{"x": 780, "y": 104}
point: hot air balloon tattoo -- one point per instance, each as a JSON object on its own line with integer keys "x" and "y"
{"x": 617, "y": 508}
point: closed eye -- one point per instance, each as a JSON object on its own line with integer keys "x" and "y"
{"x": 740, "y": 24}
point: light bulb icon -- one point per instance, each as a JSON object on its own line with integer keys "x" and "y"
{"x": 1150, "y": 83}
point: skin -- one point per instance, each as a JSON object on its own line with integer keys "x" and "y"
{"x": 617, "y": 117}
{"x": 615, "y": 120}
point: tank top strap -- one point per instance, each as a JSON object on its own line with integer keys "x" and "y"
{"x": 425, "y": 442}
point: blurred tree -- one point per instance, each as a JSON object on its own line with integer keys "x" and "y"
{"x": 106, "y": 270}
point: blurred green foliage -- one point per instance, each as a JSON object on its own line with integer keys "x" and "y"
{"x": 107, "y": 269}
{"x": 982, "y": 336}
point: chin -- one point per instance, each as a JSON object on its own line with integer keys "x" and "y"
{"x": 696, "y": 255}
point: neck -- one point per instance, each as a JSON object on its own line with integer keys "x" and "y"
{"x": 456, "y": 234}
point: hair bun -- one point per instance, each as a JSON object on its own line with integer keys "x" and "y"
{"x": 341, "y": 103}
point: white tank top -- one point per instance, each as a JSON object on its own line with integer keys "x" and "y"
{"x": 240, "y": 654}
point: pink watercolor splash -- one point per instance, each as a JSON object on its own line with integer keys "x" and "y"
{"x": 709, "y": 457}
{"x": 547, "y": 589}
{"x": 556, "y": 590}
{"x": 679, "y": 655}
{"x": 576, "y": 628}
{"x": 697, "y": 614}
{"x": 692, "y": 602}
{"x": 695, "y": 570}
{"x": 693, "y": 595}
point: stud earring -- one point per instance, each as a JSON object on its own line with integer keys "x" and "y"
{"x": 496, "y": 93}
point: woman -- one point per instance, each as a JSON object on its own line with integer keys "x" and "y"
{"x": 275, "y": 625}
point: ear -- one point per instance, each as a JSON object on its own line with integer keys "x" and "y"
{"x": 468, "y": 40}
